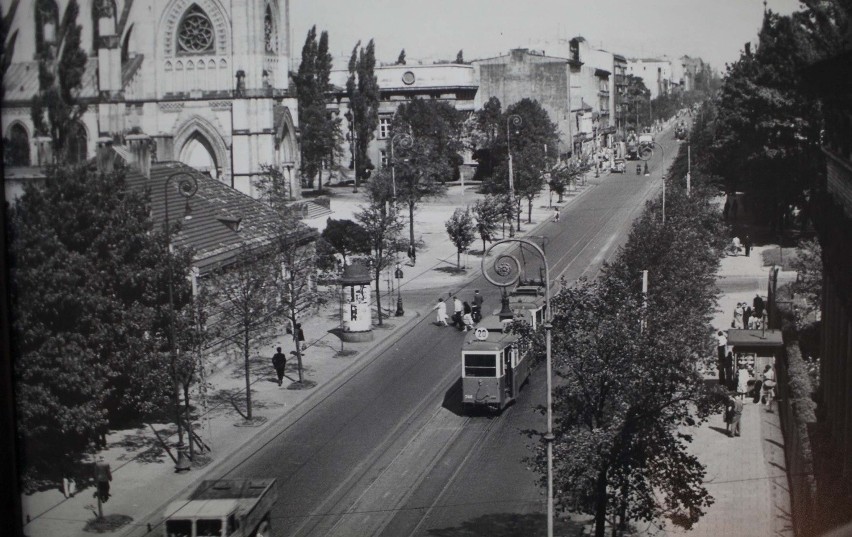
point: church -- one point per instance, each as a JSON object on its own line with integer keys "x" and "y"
{"x": 202, "y": 82}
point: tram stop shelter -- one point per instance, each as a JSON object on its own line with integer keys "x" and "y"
{"x": 755, "y": 348}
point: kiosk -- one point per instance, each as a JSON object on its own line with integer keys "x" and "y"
{"x": 357, "y": 317}
{"x": 755, "y": 348}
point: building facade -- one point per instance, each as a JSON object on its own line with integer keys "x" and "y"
{"x": 193, "y": 75}
{"x": 455, "y": 84}
{"x": 656, "y": 74}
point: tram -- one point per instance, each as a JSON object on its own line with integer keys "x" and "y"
{"x": 527, "y": 302}
{"x": 495, "y": 364}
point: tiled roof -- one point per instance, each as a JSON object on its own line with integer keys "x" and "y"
{"x": 20, "y": 82}
{"x": 216, "y": 209}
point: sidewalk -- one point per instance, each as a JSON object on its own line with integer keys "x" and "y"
{"x": 143, "y": 477}
{"x": 746, "y": 476}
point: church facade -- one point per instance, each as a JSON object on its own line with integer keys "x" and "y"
{"x": 205, "y": 82}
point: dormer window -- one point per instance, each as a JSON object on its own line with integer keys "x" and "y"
{"x": 195, "y": 32}
{"x": 232, "y": 223}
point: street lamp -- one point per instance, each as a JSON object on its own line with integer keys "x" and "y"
{"x": 516, "y": 121}
{"x": 405, "y": 141}
{"x": 187, "y": 186}
{"x": 508, "y": 268}
{"x": 645, "y": 154}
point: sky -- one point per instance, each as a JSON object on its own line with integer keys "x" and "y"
{"x": 714, "y": 30}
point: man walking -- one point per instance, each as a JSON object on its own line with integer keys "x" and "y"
{"x": 747, "y": 245}
{"x": 722, "y": 345}
{"x": 279, "y": 362}
{"x": 458, "y": 307}
{"x": 477, "y": 306}
{"x": 736, "y": 408}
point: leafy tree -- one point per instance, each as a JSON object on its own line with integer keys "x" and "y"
{"x": 482, "y": 131}
{"x": 808, "y": 267}
{"x": 564, "y": 176}
{"x": 423, "y": 167}
{"x": 362, "y": 89}
{"x": 55, "y": 110}
{"x": 529, "y": 159}
{"x": 488, "y": 212}
{"x": 382, "y": 222}
{"x": 767, "y": 128}
{"x": 460, "y": 57}
{"x": 247, "y": 292}
{"x": 320, "y": 132}
{"x": 635, "y": 99}
{"x": 346, "y": 237}
{"x": 89, "y": 315}
{"x": 461, "y": 230}
{"x": 401, "y": 59}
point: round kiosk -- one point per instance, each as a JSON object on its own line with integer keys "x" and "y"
{"x": 357, "y": 314}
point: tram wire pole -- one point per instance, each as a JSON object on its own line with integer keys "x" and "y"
{"x": 503, "y": 269}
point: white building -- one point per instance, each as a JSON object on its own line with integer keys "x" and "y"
{"x": 656, "y": 73}
{"x": 206, "y": 80}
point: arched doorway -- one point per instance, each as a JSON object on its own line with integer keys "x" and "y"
{"x": 199, "y": 153}
{"x": 77, "y": 143}
{"x": 16, "y": 146}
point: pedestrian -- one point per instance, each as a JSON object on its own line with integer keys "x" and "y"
{"x": 467, "y": 320}
{"x": 736, "y": 245}
{"x": 738, "y": 316}
{"x": 742, "y": 381}
{"x": 736, "y": 409}
{"x": 478, "y": 299}
{"x": 412, "y": 254}
{"x": 458, "y": 309}
{"x": 747, "y": 313}
{"x": 729, "y": 370}
{"x": 721, "y": 344}
{"x": 442, "y": 312}
{"x": 279, "y": 362}
{"x": 300, "y": 336}
{"x": 747, "y": 245}
{"x": 758, "y": 306}
{"x": 556, "y": 215}
{"x": 769, "y": 383}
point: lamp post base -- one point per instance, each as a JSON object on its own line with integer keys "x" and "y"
{"x": 399, "y": 311}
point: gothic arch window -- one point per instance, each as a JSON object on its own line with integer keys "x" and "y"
{"x": 102, "y": 9}
{"x": 16, "y": 150}
{"x": 195, "y": 33}
{"x": 47, "y": 23}
{"x": 270, "y": 32}
{"x": 125, "y": 46}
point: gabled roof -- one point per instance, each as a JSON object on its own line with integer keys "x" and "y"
{"x": 223, "y": 219}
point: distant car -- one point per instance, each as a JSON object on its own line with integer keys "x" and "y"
{"x": 618, "y": 166}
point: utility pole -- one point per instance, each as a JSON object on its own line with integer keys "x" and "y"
{"x": 688, "y": 165}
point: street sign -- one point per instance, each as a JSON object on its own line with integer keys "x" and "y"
{"x": 481, "y": 334}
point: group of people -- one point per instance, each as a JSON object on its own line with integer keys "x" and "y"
{"x": 738, "y": 246}
{"x": 465, "y": 315}
{"x": 749, "y": 317}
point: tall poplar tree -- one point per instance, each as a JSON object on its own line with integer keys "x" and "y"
{"x": 362, "y": 88}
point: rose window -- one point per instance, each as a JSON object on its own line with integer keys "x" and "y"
{"x": 195, "y": 34}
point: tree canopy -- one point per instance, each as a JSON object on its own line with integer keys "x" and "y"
{"x": 362, "y": 88}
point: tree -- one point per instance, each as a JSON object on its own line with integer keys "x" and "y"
{"x": 401, "y": 59}
{"x": 564, "y": 176}
{"x": 55, "y": 110}
{"x": 529, "y": 157}
{"x": 247, "y": 293}
{"x": 461, "y": 230}
{"x": 460, "y": 56}
{"x": 482, "y": 131}
{"x": 89, "y": 315}
{"x": 808, "y": 267}
{"x": 382, "y": 222}
{"x": 488, "y": 212}
{"x": 346, "y": 237}
{"x": 362, "y": 89}
{"x": 423, "y": 167}
{"x": 320, "y": 132}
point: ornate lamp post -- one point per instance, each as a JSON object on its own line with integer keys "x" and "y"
{"x": 508, "y": 270}
{"x": 187, "y": 187}
{"x": 406, "y": 142}
{"x": 513, "y": 120}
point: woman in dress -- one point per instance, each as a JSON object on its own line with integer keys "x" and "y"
{"x": 742, "y": 382}
{"x": 769, "y": 383}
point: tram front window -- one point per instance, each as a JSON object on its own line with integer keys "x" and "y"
{"x": 480, "y": 365}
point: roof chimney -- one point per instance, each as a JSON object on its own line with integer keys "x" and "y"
{"x": 139, "y": 146}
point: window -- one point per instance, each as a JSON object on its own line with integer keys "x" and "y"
{"x": 195, "y": 32}
{"x": 208, "y": 527}
{"x": 383, "y": 158}
{"x": 17, "y": 147}
{"x": 269, "y": 33}
{"x": 480, "y": 365}
{"x": 384, "y": 127}
{"x": 179, "y": 528}
{"x": 47, "y": 21}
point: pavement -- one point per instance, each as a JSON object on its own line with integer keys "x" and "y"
{"x": 746, "y": 475}
{"x": 144, "y": 479}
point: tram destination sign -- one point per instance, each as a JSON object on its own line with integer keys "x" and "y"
{"x": 481, "y": 334}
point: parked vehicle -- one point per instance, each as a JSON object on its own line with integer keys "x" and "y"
{"x": 618, "y": 166}
{"x": 224, "y": 508}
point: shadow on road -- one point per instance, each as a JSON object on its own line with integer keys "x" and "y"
{"x": 509, "y": 525}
